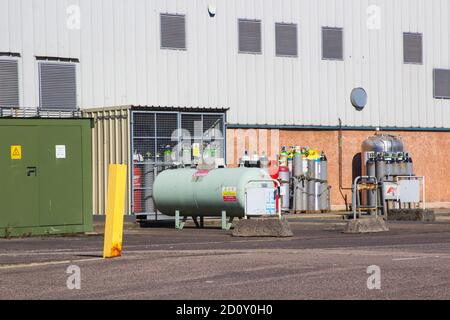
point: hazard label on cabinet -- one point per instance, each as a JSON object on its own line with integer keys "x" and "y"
{"x": 229, "y": 194}
{"x": 16, "y": 152}
{"x": 390, "y": 190}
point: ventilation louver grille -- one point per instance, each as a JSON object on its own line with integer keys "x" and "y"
{"x": 9, "y": 83}
{"x": 249, "y": 36}
{"x": 286, "y": 39}
{"x": 173, "y": 31}
{"x": 58, "y": 86}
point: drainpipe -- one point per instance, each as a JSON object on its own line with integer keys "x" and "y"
{"x": 341, "y": 187}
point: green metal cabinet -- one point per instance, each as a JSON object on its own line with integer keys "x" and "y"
{"x": 45, "y": 176}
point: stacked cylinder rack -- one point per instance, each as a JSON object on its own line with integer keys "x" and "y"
{"x": 303, "y": 175}
{"x": 384, "y": 157}
{"x": 311, "y": 191}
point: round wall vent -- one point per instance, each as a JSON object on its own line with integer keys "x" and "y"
{"x": 358, "y": 98}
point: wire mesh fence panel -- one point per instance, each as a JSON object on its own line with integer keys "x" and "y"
{"x": 165, "y": 150}
{"x": 144, "y": 125}
{"x": 143, "y": 177}
{"x": 214, "y": 149}
{"x": 144, "y": 149}
{"x": 213, "y": 126}
{"x": 192, "y": 125}
{"x": 161, "y": 138}
{"x": 166, "y": 124}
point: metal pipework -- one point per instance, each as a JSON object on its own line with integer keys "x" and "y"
{"x": 341, "y": 183}
{"x": 356, "y": 201}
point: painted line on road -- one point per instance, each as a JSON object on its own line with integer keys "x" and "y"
{"x": 61, "y": 253}
{"x": 414, "y": 258}
{"x": 48, "y": 263}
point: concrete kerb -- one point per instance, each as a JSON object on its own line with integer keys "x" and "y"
{"x": 263, "y": 227}
{"x": 366, "y": 225}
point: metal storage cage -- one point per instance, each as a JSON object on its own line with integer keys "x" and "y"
{"x": 158, "y": 134}
{"x": 142, "y": 138}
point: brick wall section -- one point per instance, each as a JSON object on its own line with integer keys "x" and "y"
{"x": 430, "y": 152}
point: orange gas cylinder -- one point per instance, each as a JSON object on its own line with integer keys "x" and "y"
{"x": 274, "y": 174}
{"x": 137, "y": 185}
{"x": 274, "y": 170}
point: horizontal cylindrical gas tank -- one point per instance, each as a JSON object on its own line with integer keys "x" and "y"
{"x": 204, "y": 193}
{"x": 382, "y": 143}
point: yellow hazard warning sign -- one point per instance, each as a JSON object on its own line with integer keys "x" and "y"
{"x": 16, "y": 152}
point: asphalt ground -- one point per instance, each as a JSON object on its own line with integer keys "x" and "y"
{"x": 319, "y": 262}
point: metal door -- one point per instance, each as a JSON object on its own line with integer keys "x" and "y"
{"x": 19, "y": 176}
{"x": 61, "y": 175}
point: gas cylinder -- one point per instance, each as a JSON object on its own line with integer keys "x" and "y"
{"x": 403, "y": 165}
{"x": 388, "y": 166}
{"x": 380, "y": 166}
{"x": 187, "y": 154}
{"x": 297, "y": 170}
{"x": 311, "y": 185}
{"x": 290, "y": 160}
{"x": 305, "y": 163}
{"x": 284, "y": 180}
{"x": 245, "y": 160}
{"x": 254, "y": 161}
{"x": 168, "y": 154}
{"x": 409, "y": 166}
{"x": 396, "y": 166}
{"x": 264, "y": 161}
{"x": 283, "y": 157}
{"x": 317, "y": 184}
{"x": 371, "y": 166}
{"x": 137, "y": 185}
{"x": 299, "y": 195}
{"x": 274, "y": 170}
{"x": 324, "y": 190}
{"x": 147, "y": 180}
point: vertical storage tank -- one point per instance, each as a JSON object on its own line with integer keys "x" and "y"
{"x": 379, "y": 143}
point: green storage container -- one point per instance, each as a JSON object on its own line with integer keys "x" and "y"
{"x": 45, "y": 176}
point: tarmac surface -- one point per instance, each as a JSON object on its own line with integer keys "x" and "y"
{"x": 319, "y": 262}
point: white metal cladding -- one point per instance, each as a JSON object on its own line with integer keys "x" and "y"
{"x": 9, "y": 83}
{"x": 58, "y": 88}
{"x": 121, "y": 61}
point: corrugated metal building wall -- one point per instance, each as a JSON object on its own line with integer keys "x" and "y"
{"x": 110, "y": 144}
{"x": 121, "y": 62}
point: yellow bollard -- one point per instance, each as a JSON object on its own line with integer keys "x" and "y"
{"x": 117, "y": 179}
